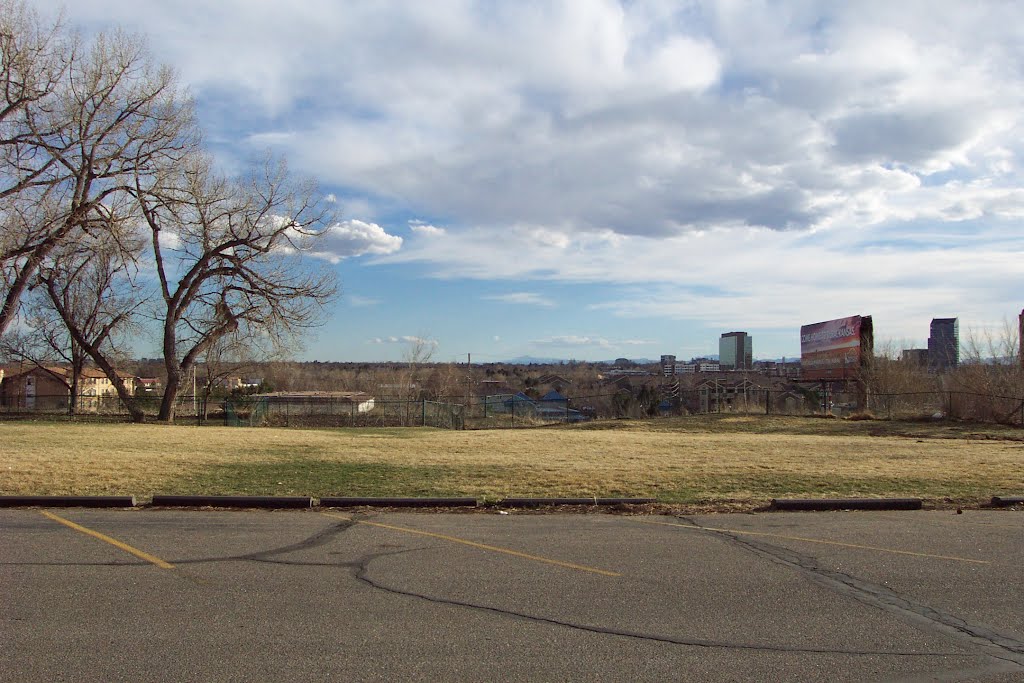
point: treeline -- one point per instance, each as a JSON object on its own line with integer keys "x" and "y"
{"x": 114, "y": 218}
{"x": 991, "y": 366}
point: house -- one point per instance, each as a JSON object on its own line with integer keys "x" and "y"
{"x": 619, "y": 383}
{"x": 29, "y": 387}
{"x": 148, "y": 385}
{"x": 790, "y": 402}
{"x": 554, "y": 380}
{"x": 726, "y": 395}
{"x": 95, "y": 383}
{"x": 45, "y": 388}
{"x": 555, "y": 406}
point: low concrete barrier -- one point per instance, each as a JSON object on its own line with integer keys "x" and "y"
{"x": 268, "y": 502}
{"x": 822, "y": 504}
{"x": 540, "y": 502}
{"x": 348, "y": 502}
{"x": 68, "y": 501}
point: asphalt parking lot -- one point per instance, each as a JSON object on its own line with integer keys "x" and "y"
{"x": 161, "y": 595}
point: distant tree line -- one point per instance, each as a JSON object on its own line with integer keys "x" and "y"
{"x": 114, "y": 218}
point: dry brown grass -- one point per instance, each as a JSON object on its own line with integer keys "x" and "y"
{"x": 745, "y": 459}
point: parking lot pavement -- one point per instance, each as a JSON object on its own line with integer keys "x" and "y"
{"x": 198, "y": 595}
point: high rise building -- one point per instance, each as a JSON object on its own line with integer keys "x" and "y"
{"x": 736, "y": 351}
{"x": 668, "y": 366}
{"x": 944, "y": 344}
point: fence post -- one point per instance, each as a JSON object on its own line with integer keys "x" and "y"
{"x": 423, "y": 421}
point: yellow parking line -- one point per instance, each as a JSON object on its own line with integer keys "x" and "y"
{"x": 107, "y": 539}
{"x": 481, "y": 546}
{"x": 817, "y": 540}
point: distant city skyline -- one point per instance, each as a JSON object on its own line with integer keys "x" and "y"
{"x": 601, "y": 179}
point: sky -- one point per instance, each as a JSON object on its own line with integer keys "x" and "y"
{"x": 592, "y": 179}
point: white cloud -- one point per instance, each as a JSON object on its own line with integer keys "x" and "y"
{"x": 426, "y": 229}
{"x": 355, "y": 238}
{"x": 525, "y": 298}
{"x": 641, "y": 118}
{"x": 170, "y": 240}
{"x": 361, "y": 301}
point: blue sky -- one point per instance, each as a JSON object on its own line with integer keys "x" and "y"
{"x": 599, "y": 179}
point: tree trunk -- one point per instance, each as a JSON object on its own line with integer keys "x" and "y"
{"x": 134, "y": 411}
{"x": 170, "y": 397}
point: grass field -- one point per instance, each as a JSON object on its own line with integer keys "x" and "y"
{"x": 717, "y": 461}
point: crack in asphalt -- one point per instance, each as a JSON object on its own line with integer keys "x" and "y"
{"x": 320, "y": 538}
{"x": 996, "y": 644}
{"x": 363, "y": 575}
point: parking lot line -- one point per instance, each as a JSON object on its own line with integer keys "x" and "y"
{"x": 481, "y": 546}
{"x": 817, "y": 540}
{"x": 153, "y": 559}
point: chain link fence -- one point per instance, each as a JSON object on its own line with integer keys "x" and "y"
{"x": 521, "y": 411}
{"x": 275, "y": 411}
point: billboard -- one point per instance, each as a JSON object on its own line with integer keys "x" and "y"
{"x": 836, "y": 349}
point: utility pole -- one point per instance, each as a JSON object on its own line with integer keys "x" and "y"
{"x": 469, "y": 380}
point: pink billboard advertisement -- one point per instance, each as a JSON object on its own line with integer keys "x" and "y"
{"x": 835, "y": 349}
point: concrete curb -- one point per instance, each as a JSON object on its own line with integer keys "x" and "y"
{"x": 267, "y": 502}
{"x": 823, "y": 504}
{"x": 348, "y": 502}
{"x": 539, "y": 502}
{"x": 1007, "y": 501}
{"x": 68, "y": 501}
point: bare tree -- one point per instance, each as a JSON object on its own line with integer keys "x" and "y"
{"x": 34, "y": 58}
{"x": 418, "y": 352}
{"x": 230, "y": 356}
{"x": 229, "y": 256}
{"x": 91, "y": 303}
{"x": 110, "y": 122}
{"x": 989, "y": 381}
{"x": 32, "y": 64}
